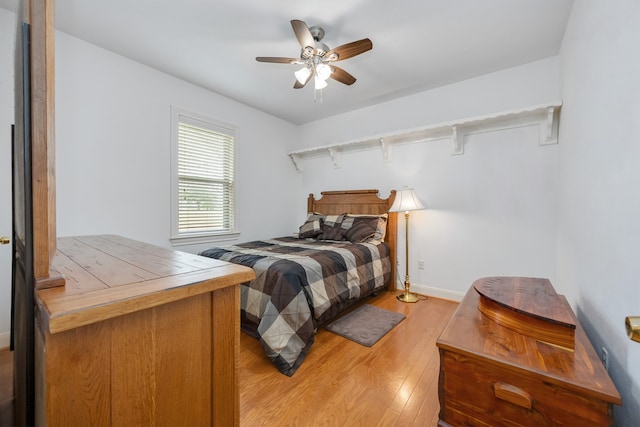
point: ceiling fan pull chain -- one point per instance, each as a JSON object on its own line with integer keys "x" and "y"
{"x": 315, "y": 96}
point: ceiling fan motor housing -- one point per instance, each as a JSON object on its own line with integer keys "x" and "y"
{"x": 317, "y": 32}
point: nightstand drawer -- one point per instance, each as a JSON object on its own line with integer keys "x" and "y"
{"x": 480, "y": 393}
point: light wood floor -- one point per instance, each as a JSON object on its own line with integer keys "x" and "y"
{"x": 393, "y": 383}
{"x": 341, "y": 383}
{"x": 6, "y": 388}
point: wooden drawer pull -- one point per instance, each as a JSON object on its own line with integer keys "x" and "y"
{"x": 513, "y": 394}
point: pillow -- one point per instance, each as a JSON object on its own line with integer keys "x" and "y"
{"x": 365, "y": 228}
{"x": 360, "y": 228}
{"x": 332, "y": 228}
{"x": 311, "y": 228}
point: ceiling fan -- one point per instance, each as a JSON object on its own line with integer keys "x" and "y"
{"x": 317, "y": 59}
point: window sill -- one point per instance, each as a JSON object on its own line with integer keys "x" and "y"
{"x": 203, "y": 238}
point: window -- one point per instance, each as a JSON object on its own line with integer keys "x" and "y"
{"x": 203, "y": 180}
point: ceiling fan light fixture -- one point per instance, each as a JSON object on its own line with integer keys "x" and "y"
{"x": 323, "y": 71}
{"x": 319, "y": 83}
{"x": 303, "y": 74}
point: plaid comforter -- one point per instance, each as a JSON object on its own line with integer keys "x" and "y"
{"x": 299, "y": 283}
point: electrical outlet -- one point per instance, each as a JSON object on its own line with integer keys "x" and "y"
{"x": 604, "y": 356}
{"x": 421, "y": 264}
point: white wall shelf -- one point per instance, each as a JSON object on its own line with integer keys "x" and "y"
{"x": 544, "y": 115}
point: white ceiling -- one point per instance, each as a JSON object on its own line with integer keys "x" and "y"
{"x": 417, "y": 44}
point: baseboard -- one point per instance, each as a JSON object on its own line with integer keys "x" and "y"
{"x": 436, "y": 292}
{"x": 5, "y": 340}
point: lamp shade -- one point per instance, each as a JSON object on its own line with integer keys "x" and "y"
{"x": 406, "y": 200}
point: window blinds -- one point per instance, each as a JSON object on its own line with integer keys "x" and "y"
{"x": 205, "y": 179}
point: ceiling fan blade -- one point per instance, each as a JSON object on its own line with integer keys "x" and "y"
{"x": 349, "y": 50}
{"x": 303, "y": 34}
{"x": 277, "y": 60}
{"x": 341, "y": 75}
{"x": 299, "y": 85}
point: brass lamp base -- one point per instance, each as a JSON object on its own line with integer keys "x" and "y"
{"x": 408, "y": 297}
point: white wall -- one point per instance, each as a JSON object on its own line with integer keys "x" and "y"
{"x": 530, "y": 84}
{"x": 599, "y": 227}
{"x": 113, "y": 142}
{"x": 7, "y": 37}
{"x": 490, "y": 211}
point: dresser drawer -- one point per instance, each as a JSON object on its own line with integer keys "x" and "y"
{"x": 475, "y": 392}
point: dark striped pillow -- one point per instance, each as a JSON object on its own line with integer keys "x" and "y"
{"x": 332, "y": 228}
{"x": 312, "y": 227}
{"x": 365, "y": 228}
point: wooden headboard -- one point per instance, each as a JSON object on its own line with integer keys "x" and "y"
{"x": 361, "y": 202}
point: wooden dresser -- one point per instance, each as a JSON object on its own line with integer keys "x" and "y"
{"x": 495, "y": 371}
{"x": 139, "y": 335}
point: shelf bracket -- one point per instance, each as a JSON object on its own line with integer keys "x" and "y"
{"x": 458, "y": 141}
{"x": 386, "y": 151}
{"x": 297, "y": 162}
{"x": 549, "y": 127}
{"x": 336, "y": 158}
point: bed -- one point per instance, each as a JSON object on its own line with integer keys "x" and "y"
{"x": 345, "y": 252}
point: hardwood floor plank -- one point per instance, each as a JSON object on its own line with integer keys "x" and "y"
{"x": 426, "y": 389}
{"x": 411, "y": 365}
{"x": 6, "y": 374}
{"x": 6, "y": 388}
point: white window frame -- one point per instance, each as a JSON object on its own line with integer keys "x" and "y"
{"x": 179, "y": 115}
